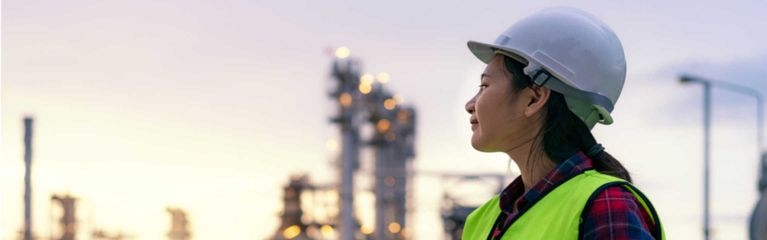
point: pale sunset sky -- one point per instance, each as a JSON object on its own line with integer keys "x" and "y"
{"x": 210, "y": 106}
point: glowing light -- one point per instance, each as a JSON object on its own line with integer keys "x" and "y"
{"x": 399, "y": 99}
{"x": 291, "y": 232}
{"x": 366, "y": 79}
{"x": 332, "y": 144}
{"x": 366, "y": 83}
{"x": 382, "y": 77}
{"x": 328, "y": 231}
{"x": 343, "y": 52}
{"x": 390, "y": 103}
{"x": 345, "y": 99}
{"x": 383, "y": 125}
{"x": 394, "y": 227}
{"x": 331, "y": 196}
{"x": 365, "y": 88}
{"x": 366, "y": 229}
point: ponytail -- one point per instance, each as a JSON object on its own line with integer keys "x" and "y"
{"x": 563, "y": 133}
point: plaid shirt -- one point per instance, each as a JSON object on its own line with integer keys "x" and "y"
{"x": 615, "y": 213}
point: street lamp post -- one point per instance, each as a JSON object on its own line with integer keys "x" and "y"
{"x": 706, "y": 130}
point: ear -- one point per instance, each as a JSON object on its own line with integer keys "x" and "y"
{"x": 539, "y": 96}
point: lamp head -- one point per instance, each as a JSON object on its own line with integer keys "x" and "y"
{"x": 686, "y": 79}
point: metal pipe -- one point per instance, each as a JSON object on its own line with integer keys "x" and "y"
{"x": 706, "y": 159}
{"x": 349, "y": 158}
{"x": 28, "y": 178}
{"x": 381, "y": 218}
{"x": 762, "y": 155}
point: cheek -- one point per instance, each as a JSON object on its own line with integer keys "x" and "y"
{"x": 485, "y": 110}
{"x": 495, "y": 110}
{"x": 492, "y": 118}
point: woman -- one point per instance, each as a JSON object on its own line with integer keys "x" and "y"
{"x": 549, "y": 79}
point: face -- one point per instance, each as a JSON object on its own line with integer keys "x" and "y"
{"x": 501, "y": 119}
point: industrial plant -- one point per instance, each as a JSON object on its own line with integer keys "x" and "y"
{"x": 368, "y": 116}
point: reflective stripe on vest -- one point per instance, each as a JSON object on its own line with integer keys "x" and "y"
{"x": 555, "y": 216}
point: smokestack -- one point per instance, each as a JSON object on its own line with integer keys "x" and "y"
{"x": 27, "y": 178}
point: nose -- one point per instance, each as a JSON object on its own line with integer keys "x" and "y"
{"x": 470, "y": 105}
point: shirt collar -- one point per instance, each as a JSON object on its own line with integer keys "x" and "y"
{"x": 515, "y": 192}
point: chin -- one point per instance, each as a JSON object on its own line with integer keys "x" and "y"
{"x": 480, "y": 146}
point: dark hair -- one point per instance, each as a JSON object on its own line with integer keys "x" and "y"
{"x": 564, "y": 133}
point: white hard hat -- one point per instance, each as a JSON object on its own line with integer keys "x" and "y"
{"x": 570, "y": 52}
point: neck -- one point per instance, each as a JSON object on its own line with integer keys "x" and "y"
{"x": 533, "y": 167}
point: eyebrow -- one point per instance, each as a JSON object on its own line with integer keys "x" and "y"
{"x": 484, "y": 75}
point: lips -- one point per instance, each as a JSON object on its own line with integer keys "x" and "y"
{"x": 473, "y": 122}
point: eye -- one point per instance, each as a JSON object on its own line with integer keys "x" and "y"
{"x": 482, "y": 86}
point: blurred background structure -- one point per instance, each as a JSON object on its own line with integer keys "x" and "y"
{"x": 68, "y": 221}
{"x": 220, "y": 109}
{"x": 756, "y": 217}
{"x": 179, "y": 225}
{"x": 757, "y": 229}
{"x": 27, "y": 231}
{"x": 363, "y": 99}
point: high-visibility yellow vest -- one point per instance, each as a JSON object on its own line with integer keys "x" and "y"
{"x": 557, "y": 215}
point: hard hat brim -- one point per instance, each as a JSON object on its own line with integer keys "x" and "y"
{"x": 486, "y": 51}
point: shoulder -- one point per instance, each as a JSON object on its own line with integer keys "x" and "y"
{"x": 615, "y": 213}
